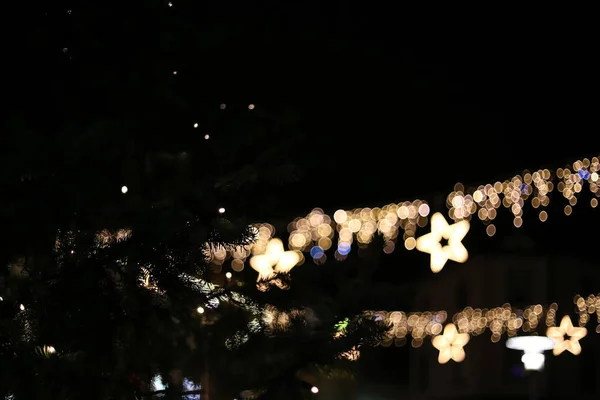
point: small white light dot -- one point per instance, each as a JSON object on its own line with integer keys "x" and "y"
{"x": 228, "y": 275}
{"x": 206, "y": 137}
{"x": 200, "y": 310}
{"x": 314, "y": 389}
{"x": 124, "y": 189}
{"x": 221, "y": 210}
{"x": 251, "y": 107}
{"x": 196, "y": 125}
{"x": 1, "y": 299}
{"x": 170, "y": 4}
{"x": 174, "y": 72}
{"x": 22, "y": 307}
{"x": 72, "y": 251}
{"x": 51, "y": 349}
{"x": 223, "y": 106}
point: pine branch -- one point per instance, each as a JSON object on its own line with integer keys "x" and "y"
{"x": 165, "y": 391}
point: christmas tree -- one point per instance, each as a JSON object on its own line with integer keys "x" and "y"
{"x": 120, "y": 181}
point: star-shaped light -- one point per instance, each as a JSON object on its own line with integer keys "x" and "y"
{"x": 274, "y": 260}
{"x": 454, "y": 250}
{"x": 450, "y": 344}
{"x": 566, "y": 328}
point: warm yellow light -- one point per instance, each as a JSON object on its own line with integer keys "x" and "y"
{"x": 200, "y": 310}
{"x": 263, "y": 265}
{"x": 454, "y": 250}
{"x": 410, "y": 243}
{"x": 340, "y": 216}
{"x": 287, "y": 261}
{"x": 228, "y": 275}
{"x": 274, "y": 260}
{"x": 566, "y": 328}
{"x": 274, "y": 250}
{"x": 450, "y": 344}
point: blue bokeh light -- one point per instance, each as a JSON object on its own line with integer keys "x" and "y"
{"x": 317, "y": 252}
{"x": 584, "y": 174}
{"x": 524, "y": 188}
{"x": 344, "y": 248}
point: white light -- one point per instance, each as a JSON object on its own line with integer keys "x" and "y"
{"x": 530, "y": 344}
{"x": 533, "y": 348}
{"x": 228, "y": 275}
{"x": 157, "y": 383}
{"x": 221, "y": 210}
{"x": 206, "y": 136}
{"x": 314, "y": 389}
{"x": 174, "y": 72}
{"x": 533, "y": 361}
{"x": 213, "y": 303}
{"x": 124, "y": 189}
{"x": 22, "y": 307}
{"x": 196, "y": 125}
{"x": 251, "y": 107}
{"x": 200, "y": 310}
{"x": 51, "y": 349}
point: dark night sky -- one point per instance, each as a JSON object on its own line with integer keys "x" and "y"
{"x": 503, "y": 87}
{"x": 395, "y": 103}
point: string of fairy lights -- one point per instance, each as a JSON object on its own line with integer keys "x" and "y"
{"x": 503, "y": 320}
{"x": 317, "y": 233}
{"x": 449, "y": 334}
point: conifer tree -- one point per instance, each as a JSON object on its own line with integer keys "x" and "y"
{"x": 117, "y": 182}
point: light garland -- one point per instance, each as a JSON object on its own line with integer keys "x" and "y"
{"x": 533, "y": 187}
{"x": 450, "y": 336}
{"x": 499, "y": 321}
{"x": 476, "y": 321}
{"x": 317, "y": 232}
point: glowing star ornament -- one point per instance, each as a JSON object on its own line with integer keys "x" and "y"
{"x": 566, "y": 328}
{"x": 454, "y": 234}
{"x": 450, "y": 344}
{"x": 274, "y": 260}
